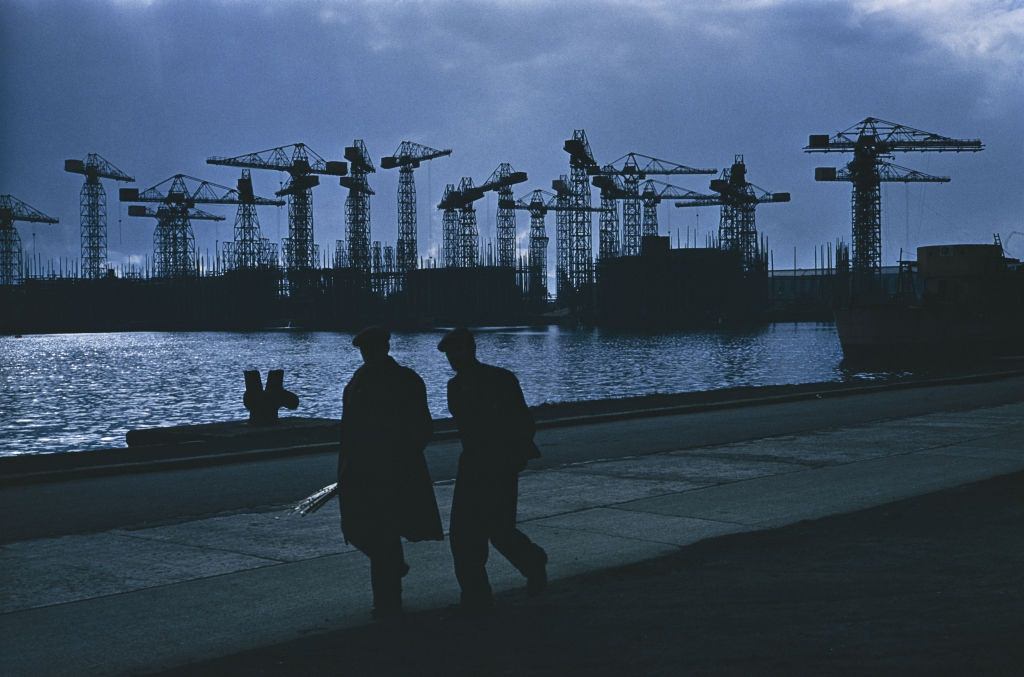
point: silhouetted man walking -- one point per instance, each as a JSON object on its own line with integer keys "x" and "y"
{"x": 497, "y": 430}
{"x": 384, "y": 486}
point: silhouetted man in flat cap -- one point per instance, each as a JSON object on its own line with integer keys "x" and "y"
{"x": 497, "y": 430}
{"x": 384, "y": 486}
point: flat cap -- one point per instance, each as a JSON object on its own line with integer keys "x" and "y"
{"x": 371, "y": 336}
{"x": 460, "y": 337}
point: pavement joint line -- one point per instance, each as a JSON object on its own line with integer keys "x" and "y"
{"x": 326, "y": 447}
{"x": 177, "y": 542}
{"x": 605, "y": 534}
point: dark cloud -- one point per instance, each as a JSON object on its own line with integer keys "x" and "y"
{"x": 157, "y": 87}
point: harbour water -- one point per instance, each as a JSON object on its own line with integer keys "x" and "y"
{"x": 75, "y": 392}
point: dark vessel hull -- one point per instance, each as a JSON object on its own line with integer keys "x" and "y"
{"x": 891, "y": 332}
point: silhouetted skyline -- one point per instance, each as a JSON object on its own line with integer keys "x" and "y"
{"x": 157, "y": 87}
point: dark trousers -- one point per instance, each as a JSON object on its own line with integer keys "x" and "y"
{"x": 484, "y": 510}
{"x": 387, "y": 566}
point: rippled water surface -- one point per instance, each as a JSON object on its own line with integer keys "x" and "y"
{"x": 84, "y": 391}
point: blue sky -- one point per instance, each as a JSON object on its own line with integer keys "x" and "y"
{"x": 156, "y": 87}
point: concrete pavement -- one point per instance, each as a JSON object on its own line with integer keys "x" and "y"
{"x": 159, "y": 595}
{"x": 138, "y": 498}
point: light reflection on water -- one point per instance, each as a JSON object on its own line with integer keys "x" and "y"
{"x": 84, "y": 391}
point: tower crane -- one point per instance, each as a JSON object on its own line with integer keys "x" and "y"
{"x": 166, "y": 238}
{"x": 249, "y": 249}
{"x": 505, "y": 177}
{"x": 652, "y": 193}
{"x": 357, "y": 206}
{"x": 738, "y": 199}
{"x": 93, "y": 210}
{"x": 461, "y": 242}
{"x": 12, "y": 209}
{"x": 873, "y": 142}
{"x": 633, "y": 168}
{"x": 173, "y": 239}
{"x": 450, "y": 226}
{"x": 303, "y": 167}
{"x": 578, "y": 238}
{"x": 612, "y": 189}
{"x": 407, "y": 158}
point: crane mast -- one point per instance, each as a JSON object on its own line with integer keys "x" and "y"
{"x": 249, "y": 249}
{"x": 407, "y": 158}
{"x": 93, "y": 210}
{"x": 873, "y": 142}
{"x": 579, "y": 260}
{"x": 357, "y": 207}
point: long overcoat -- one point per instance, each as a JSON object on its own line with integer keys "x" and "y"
{"x": 384, "y": 485}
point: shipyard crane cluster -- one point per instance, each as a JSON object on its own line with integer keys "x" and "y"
{"x": 304, "y": 168}
{"x": 621, "y": 180}
{"x": 174, "y": 249}
{"x": 873, "y": 142}
{"x": 461, "y": 236}
{"x": 631, "y": 188}
{"x": 538, "y": 203}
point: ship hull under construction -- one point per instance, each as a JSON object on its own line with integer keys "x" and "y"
{"x": 966, "y": 303}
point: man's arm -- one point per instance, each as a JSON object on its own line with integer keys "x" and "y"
{"x": 521, "y": 426}
{"x": 422, "y": 423}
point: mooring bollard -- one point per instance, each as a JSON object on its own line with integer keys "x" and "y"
{"x": 264, "y": 403}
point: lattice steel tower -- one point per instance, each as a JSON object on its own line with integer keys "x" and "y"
{"x": 451, "y": 236}
{"x": 611, "y": 188}
{"x": 340, "y": 254}
{"x": 469, "y": 234}
{"x": 12, "y": 209}
{"x": 872, "y": 142}
{"x": 357, "y": 206}
{"x": 407, "y": 158}
{"x": 249, "y": 249}
{"x": 303, "y": 167}
{"x": 580, "y": 269}
{"x": 563, "y": 232}
{"x": 377, "y": 268}
{"x": 93, "y": 201}
{"x": 506, "y": 217}
{"x": 538, "y": 260}
{"x": 738, "y": 198}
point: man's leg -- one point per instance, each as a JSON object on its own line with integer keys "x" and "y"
{"x": 525, "y": 555}
{"x": 387, "y": 566}
{"x": 468, "y": 538}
